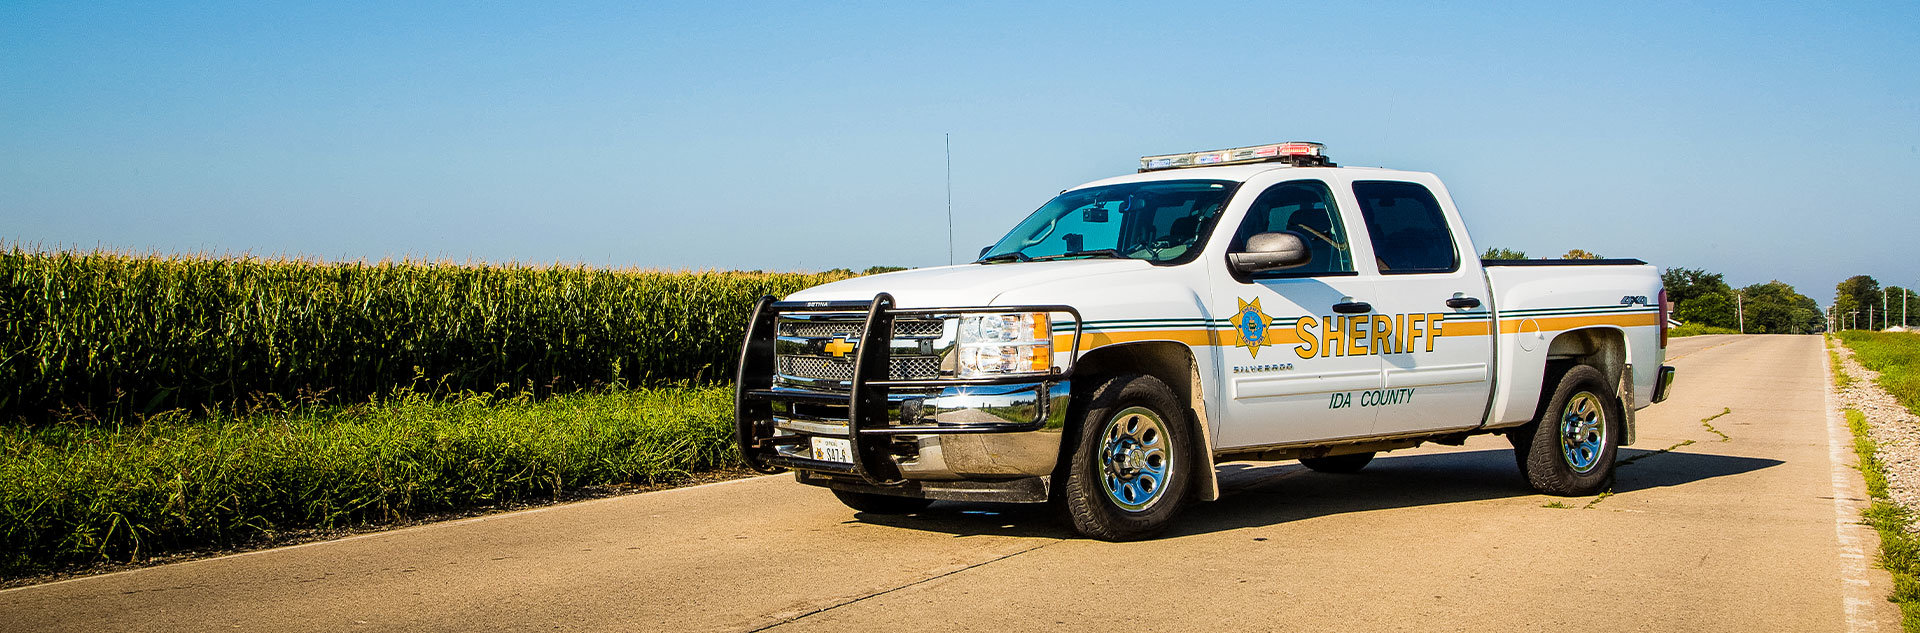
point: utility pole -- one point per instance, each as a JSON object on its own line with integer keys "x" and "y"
{"x": 1885, "y": 314}
{"x": 1740, "y": 308}
{"x": 1855, "y": 316}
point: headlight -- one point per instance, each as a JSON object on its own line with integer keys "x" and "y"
{"x": 1000, "y": 344}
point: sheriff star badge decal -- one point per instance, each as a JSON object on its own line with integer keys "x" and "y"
{"x": 1250, "y": 326}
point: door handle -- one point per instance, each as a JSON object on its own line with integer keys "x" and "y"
{"x": 1463, "y": 302}
{"x": 1354, "y": 307}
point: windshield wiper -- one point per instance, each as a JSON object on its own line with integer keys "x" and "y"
{"x": 1104, "y": 252}
{"x": 1015, "y": 256}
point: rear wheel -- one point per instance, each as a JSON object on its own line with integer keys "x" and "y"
{"x": 881, "y": 504}
{"x": 1341, "y": 464}
{"x": 1574, "y": 441}
{"x": 1129, "y": 473}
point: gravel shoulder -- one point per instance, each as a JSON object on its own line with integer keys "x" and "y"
{"x": 1894, "y": 430}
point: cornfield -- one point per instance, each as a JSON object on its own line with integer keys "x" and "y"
{"x": 106, "y": 335}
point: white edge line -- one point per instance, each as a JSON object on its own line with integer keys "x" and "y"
{"x": 401, "y": 530}
{"x": 1856, "y": 592}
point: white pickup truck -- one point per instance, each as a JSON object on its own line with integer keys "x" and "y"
{"x": 1257, "y": 303}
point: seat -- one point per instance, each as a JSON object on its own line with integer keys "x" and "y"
{"x": 1184, "y": 230}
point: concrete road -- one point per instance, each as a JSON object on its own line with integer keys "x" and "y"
{"x": 1747, "y": 534}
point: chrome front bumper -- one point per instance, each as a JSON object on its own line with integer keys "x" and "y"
{"x": 955, "y": 446}
{"x": 905, "y": 436}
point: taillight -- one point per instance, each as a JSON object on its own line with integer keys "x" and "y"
{"x": 1663, "y": 318}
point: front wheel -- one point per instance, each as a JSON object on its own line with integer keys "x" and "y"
{"x": 1129, "y": 473}
{"x": 1575, "y": 439}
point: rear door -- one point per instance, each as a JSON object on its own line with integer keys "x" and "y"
{"x": 1289, "y": 368}
{"x": 1431, "y": 321}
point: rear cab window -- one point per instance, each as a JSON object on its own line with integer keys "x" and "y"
{"x": 1406, "y": 227}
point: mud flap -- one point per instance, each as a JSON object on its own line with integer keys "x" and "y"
{"x": 1625, "y": 391}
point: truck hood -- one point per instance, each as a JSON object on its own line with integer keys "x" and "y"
{"x": 963, "y": 285}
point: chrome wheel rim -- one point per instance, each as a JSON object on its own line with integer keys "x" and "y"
{"x": 1134, "y": 460}
{"x": 1583, "y": 431}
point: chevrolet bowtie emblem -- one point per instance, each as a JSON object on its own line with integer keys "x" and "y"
{"x": 839, "y": 347}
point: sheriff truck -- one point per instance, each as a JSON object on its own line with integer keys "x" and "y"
{"x": 1256, "y": 303}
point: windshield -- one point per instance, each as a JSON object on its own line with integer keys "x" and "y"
{"x": 1157, "y": 221}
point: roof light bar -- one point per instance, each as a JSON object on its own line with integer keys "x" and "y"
{"x": 1296, "y": 153}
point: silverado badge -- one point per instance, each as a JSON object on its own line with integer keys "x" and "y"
{"x": 1250, "y": 326}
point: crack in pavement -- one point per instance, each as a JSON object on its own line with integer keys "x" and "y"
{"x": 883, "y": 592}
{"x": 1642, "y": 456}
{"x": 1596, "y": 500}
{"x": 1707, "y": 422}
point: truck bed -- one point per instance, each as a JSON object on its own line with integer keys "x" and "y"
{"x": 1536, "y": 300}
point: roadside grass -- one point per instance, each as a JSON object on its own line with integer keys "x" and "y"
{"x": 1840, "y": 377}
{"x": 80, "y": 493}
{"x": 1695, "y": 329}
{"x": 1899, "y": 549}
{"x": 1896, "y": 355}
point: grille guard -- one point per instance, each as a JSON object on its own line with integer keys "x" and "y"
{"x": 868, "y": 428}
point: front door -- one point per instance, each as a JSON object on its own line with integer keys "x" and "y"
{"x": 1291, "y": 365}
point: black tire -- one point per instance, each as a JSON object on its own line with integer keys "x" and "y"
{"x": 1338, "y": 464}
{"x": 1575, "y": 437}
{"x": 1137, "y": 421}
{"x": 881, "y": 504}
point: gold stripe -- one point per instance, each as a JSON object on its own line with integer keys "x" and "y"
{"x": 1279, "y": 336}
{"x": 1450, "y": 329}
{"x": 1555, "y": 324}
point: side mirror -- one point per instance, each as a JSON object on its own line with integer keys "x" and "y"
{"x": 1271, "y": 251}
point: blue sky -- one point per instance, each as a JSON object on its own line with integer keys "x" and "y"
{"x": 1762, "y": 140}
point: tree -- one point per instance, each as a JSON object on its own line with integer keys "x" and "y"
{"x": 1855, "y": 295}
{"x": 1700, "y": 297}
{"x": 1711, "y": 309}
{"x": 1775, "y": 307}
{"x": 1580, "y": 254}
{"x": 1909, "y": 314}
{"x": 1686, "y": 283}
{"x": 1493, "y": 252}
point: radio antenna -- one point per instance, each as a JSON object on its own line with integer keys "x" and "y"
{"x": 949, "y": 198}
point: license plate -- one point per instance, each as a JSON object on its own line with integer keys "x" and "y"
{"x": 833, "y": 449}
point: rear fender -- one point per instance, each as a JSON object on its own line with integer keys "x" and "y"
{"x": 1603, "y": 348}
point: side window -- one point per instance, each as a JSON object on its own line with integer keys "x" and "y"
{"x": 1408, "y": 231}
{"x": 1305, "y": 207}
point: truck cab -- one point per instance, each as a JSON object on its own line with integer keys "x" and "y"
{"x": 1133, "y": 332}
